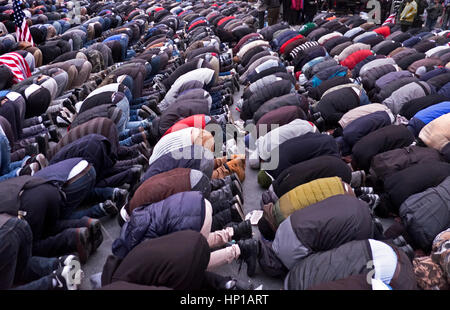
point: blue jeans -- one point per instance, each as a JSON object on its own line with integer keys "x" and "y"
{"x": 363, "y": 99}
{"x": 123, "y": 105}
{"x": 128, "y": 82}
{"x": 132, "y": 140}
{"x": 16, "y": 263}
{"x": 8, "y": 169}
{"x": 139, "y": 123}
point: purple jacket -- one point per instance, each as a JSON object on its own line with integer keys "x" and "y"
{"x": 390, "y": 77}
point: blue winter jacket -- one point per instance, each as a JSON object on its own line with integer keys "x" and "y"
{"x": 425, "y": 116}
{"x": 181, "y": 211}
{"x": 326, "y": 75}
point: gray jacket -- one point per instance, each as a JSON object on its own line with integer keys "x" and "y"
{"x": 406, "y": 93}
{"x": 426, "y": 214}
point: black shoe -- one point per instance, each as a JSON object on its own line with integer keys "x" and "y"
{"x": 149, "y": 111}
{"x": 237, "y": 214}
{"x": 144, "y": 150}
{"x": 54, "y": 135}
{"x": 42, "y": 141}
{"x": 32, "y": 149}
{"x": 143, "y": 114}
{"x": 109, "y": 208}
{"x": 66, "y": 260}
{"x": 242, "y": 230}
{"x": 235, "y": 177}
{"x": 136, "y": 173}
{"x": 73, "y": 100}
{"x": 236, "y": 82}
{"x": 141, "y": 160}
{"x": 45, "y": 117}
{"x": 363, "y": 191}
{"x": 30, "y": 169}
{"x": 378, "y": 225}
{"x": 228, "y": 100}
{"x": 236, "y": 189}
{"x": 316, "y": 115}
{"x": 408, "y": 251}
{"x": 320, "y": 123}
{"x": 95, "y": 232}
{"x": 120, "y": 197}
{"x": 48, "y": 123}
{"x": 83, "y": 242}
{"x": 249, "y": 254}
{"x": 67, "y": 103}
{"x": 372, "y": 199}
{"x": 41, "y": 160}
{"x": 399, "y": 241}
{"x": 63, "y": 280}
{"x": 153, "y": 105}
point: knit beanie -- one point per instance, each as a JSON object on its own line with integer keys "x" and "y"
{"x": 264, "y": 180}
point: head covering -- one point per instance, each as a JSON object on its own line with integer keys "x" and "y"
{"x": 264, "y": 179}
{"x": 163, "y": 262}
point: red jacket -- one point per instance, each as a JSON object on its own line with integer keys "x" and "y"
{"x": 225, "y": 19}
{"x": 196, "y": 23}
{"x": 385, "y": 31}
{"x": 283, "y": 47}
{"x": 197, "y": 121}
{"x": 353, "y": 59}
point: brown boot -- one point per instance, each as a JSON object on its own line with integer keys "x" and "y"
{"x": 220, "y": 172}
{"x": 237, "y": 166}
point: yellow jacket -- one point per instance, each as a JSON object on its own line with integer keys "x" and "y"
{"x": 305, "y": 195}
{"x": 409, "y": 12}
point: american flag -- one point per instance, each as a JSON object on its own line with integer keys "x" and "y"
{"x": 17, "y": 64}
{"x": 390, "y": 19}
{"x": 22, "y": 31}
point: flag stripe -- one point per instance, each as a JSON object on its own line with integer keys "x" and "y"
{"x": 22, "y": 31}
{"x": 17, "y": 64}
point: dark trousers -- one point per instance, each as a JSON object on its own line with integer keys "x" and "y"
{"x": 50, "y": 237}
{"x": 404, "y": 27}
{"x": 84, "y": 190}
{"x": 115, "y": 177}
{"x": 273, "y": 15}
{"x": 17, "y": 266}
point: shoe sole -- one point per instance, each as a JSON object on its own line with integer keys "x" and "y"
{"x": 83, "y": 244}
{"x": 239, "y": 190}
{"x": 240, "y": 211}
{"x": 122, "y": 203}
{"x": 96, "y": 235}
{"x": 42, "y": 161}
